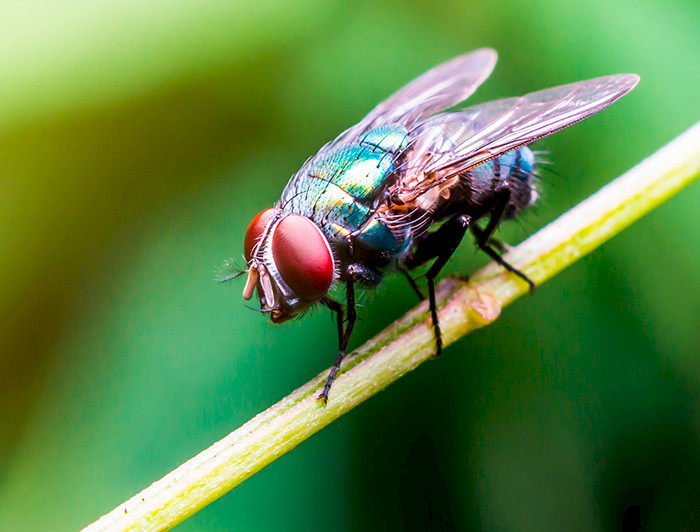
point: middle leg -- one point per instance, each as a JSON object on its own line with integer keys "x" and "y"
{"x": 440, "y": 246}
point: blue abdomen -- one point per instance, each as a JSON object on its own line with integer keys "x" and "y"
{"x": 516, "y": 164}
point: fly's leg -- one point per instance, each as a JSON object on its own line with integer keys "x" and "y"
{"x": 336, "y": 308}
{"x": 344, "y": 332}
{"x": 356, "y": 273}
{"x": 499, "y": 246}
{"x": 483, "y": 236}
{"x": 412, "y": 283}
{"x": 439, "y": 245}
{"x": 454, "y": 232}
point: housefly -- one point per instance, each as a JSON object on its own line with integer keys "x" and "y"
{"x": 403, "y": 186}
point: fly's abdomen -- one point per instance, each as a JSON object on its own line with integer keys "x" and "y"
{"x": 513, "y": 171}
{"x": 516, "y": 168}
{"x": 515, "y": 165}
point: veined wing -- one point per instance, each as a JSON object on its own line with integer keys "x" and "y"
{"x": 452, "y": 143}
{"x": 438, "y": 89}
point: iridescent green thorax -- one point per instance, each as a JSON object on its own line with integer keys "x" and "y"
{"x": 339, "y": 189}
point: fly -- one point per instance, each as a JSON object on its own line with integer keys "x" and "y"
{"x": 368, "y": 202}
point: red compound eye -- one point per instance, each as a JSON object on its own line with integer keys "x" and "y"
{"x": 303, "y": 257}
{"x": 255, "y": 231}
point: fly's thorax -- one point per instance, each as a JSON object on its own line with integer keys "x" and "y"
{"x": 339, "y": 190}
{"x": 290, "y": 263}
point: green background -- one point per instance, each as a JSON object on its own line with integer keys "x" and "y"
{"x": 137, "y": 140}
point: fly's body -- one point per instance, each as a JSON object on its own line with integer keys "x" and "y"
{"x": 369, "y": 201}
{"x": 346, "y": 192}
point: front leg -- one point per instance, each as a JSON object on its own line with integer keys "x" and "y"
{"x": 344, "y": 332}
{"x": 356, "y": 274}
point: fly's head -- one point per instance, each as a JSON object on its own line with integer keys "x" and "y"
{"x": 290, "y": 263}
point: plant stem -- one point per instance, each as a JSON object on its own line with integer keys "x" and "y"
{"x": 409, "y": 342}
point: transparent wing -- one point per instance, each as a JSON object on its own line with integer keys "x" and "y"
{"x": 452, "y": 143}
{"x": 438, "y": 89}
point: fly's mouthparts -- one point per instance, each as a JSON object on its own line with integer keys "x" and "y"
{"x": 268, "y": 294}
{"x": 250, "y": 283}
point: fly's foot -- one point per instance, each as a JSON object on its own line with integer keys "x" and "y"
{"x": 531, "y": 284}
{"x": 322, "y": 398}
{"x": 463, "y": 278}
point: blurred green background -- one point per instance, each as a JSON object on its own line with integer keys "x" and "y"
{"x": 137, "y": 140}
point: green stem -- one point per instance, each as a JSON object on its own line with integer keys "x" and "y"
{"x": 409, "y": 342}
